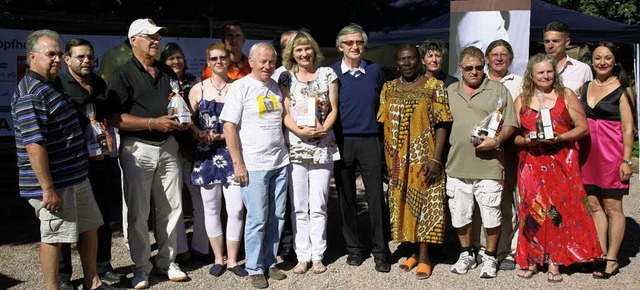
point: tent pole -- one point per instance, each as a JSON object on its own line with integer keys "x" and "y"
{"x": 636, "y": 74}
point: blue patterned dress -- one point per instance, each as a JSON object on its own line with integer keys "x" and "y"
{"x": 212, "y": 163}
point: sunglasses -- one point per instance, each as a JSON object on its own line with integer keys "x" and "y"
{"x": 216, "y": 58}
{"x": 470, "y": 68}
{"x": 351, "y": 42}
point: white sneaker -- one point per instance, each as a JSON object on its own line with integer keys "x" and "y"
{"x": 175, "y": 274}
{"x": 489, "y": 267}
{"x": 465, "y": 262}
{"x": 140, "y": 280}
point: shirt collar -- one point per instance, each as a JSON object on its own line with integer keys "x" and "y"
{"x": 345, "y": 69}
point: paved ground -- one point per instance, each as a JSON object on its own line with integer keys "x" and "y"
{"x": 19, "y": 268}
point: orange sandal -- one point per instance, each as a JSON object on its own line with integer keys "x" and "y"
{"x": 424, "y": 271}
{"x": 408, "y": 264}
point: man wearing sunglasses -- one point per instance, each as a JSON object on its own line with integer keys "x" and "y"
{"x": 137, "y": 99}
{"x": 474, "y": 171}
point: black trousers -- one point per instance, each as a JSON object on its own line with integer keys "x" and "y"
{"x": 103, "y": 187}
{"x": 364, "y": 155}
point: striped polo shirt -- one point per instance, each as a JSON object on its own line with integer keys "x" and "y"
{"x": 42, "y": 112}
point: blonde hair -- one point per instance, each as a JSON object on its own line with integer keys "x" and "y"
{"x": 529, "y": 87}
{"x": 300, "y": 37}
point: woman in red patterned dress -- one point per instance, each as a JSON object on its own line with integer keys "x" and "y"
{"x": 555, "y": 226}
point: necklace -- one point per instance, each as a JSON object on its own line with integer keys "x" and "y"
{"x": 220, "y": 89}
{"x": 612, "y": 79}
{"x": 405, "y": 82}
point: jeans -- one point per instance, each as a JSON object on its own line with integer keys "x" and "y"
{"x": 264, "y": 198}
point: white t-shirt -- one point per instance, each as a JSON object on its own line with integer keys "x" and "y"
{"x": 256, "y": 108}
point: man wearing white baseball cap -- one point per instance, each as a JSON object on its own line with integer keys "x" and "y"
{"x": 138, "y": 95}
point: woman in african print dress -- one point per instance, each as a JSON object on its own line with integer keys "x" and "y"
{"x": 414, "y": 110}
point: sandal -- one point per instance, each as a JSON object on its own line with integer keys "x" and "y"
{"x": 408, "y": 264}
{"x": 602, "y": 273}
{"x": 424, "y": 271}
{"x": 527, "y": 273}
{"x": 318, "y": 267}
{"x": 301, "y": 267}
{"x": 551, "y": 277}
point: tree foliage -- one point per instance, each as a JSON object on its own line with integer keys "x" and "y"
{"x": 624, "y": 11}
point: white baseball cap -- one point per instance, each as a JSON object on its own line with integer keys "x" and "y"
{"x": 145, "y": 26}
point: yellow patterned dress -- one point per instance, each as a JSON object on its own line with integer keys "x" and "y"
{"x": 410, "y": 117}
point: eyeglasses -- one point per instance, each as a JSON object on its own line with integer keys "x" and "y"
{"x": 82, "y": 57}
{"x": 151, "y": 38}
{"x": 470, "y": 68}
{"x": 216, "y": 58}
{"x": 351, "y": 42}
{"x": 51, "y": 54}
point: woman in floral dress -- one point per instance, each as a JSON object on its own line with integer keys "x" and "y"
{"x": 212, "y": 166}
{"x": 311, "y": 108}
{"x": 555, "y": 226}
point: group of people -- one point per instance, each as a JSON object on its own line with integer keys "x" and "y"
{"x": 259, "y": 138}
{"x": 545, "y": 196}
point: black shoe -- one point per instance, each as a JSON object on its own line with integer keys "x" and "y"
{"x": 66, "y": 285}
{"x": 354, "y": 259}
{"x": 110, "y": 276}
{"x": 184, "y": 259}
{"x": 216, "y": 270}
{"x": 382, "y": 266}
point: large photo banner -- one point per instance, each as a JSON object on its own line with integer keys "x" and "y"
{"x": 479, "y": 22}
{"x": 13, "y": 60}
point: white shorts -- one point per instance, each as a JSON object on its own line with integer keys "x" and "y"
{"x": 463, "y": 193}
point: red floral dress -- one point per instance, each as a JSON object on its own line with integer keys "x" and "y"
{"x": 555, "y": 225}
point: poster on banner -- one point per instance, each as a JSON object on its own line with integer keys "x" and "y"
{"x": 13, "y": 62}
{"x": 479, "y": 22}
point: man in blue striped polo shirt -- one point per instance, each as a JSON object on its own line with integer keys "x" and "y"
{"x": 53, "y": 161}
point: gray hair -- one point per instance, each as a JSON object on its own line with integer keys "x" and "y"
{"x": 258, "y": 45}
{"x": 350, "y": 29}
{"x": 32, "y": 40}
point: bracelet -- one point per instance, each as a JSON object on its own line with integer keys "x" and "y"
{"x": 497, "y": 144}
{"x": 149, "y": 124}
{"x": 437, "y": 161}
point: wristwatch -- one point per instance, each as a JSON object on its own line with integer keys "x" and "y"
{"x": 627, "y": 161}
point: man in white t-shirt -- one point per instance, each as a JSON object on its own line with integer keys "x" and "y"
{"x": 574, "y": 73}
{"x": 252, "y": 117}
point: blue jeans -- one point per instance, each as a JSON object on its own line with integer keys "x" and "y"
{"x": 264, "y": 198}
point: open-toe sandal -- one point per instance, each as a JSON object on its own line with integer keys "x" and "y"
{"x": 318, "y": 267}
{"x": 552, "y": 277}
{"x": 408, "y": 264}
{"x": 301, "y": 267}
{"x": 602, "y": 273}
{"x": 527, "y": 273}
{"x": 424, "y": 271}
